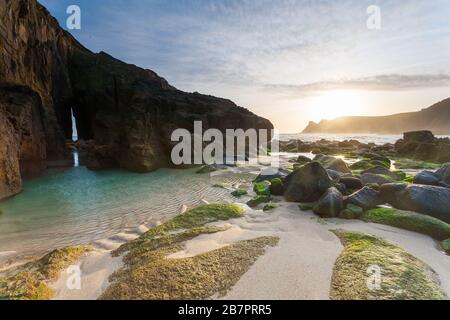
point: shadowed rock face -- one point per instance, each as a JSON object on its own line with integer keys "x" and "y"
{"x": 129, "y": 112}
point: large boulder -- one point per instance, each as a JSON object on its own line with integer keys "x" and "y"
{"x": 430, "y": 200}
{"x": 308, "y": 183}
{"x": 330, "y": 204}
{"x": 419, "y": 136}
{"x": 366, "y": 198}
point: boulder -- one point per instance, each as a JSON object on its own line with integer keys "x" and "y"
{"x": 440, "y": 178}
{"x": 369, "y": 178}
{"x": 277, "y": 187}
{"x": 256, "y": 201}
{"x": 419, "y": 136}
{"x": 374, "y": 157}
{"x": 430, "y": 200}
{"x": 361, "y": 165}
{"x": 269, "y": 174}
{"x": 443, "y": 174}
{"x": 426, "y": 178}
{"x": 334, "y": 175}
{"x": 396, "y": 175}
{"x": 351, "y": 182}
{"x": 330, "y": 204}
{"x": 338, "y": 165}
{"x": 262, "y": 188}
{"x": 332, "y": 163}
{"x": 303, "y": 160}
{"x": 366, "y": 198}
{"x": 307, "y": 184}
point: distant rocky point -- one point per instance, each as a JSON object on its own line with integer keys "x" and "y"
{"x": 435, "y": 118}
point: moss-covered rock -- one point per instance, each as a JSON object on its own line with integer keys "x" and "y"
{"x": 407, "y": 220}
{"x": 269, "y": 207}
{"x": 403, "y": 277}
{"x": 29, "y": 282}
{"x": 151, "y": 274}
{"x": 277, "y": 187}
{"x": 306, "y": 206}
{"x": 256, "y": 201}
{"x": 446, "y": 246}
{"x": 262, "y": 188}
{"x": 239, "y": 193}
{"x": 414, "y": 164}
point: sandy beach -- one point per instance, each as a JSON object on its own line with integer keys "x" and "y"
{"x": 300, "y": 267}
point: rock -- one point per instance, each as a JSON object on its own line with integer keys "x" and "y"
{"x": 269, "y": 174}
{"x": 239, "y": 193}
{"x": 377, "y": 158}
{"x": 211, "y": 168}
{"x": 396, "y": 175}
{"x": 303, "y": 160}
{"x": 419, "y": 136}
{"x": 269, "y": 207}
{"x": 443, "y": 174}
{"x": 258, "y": 200}
{"x": 332, "y": 163}
{"x": 422, "y": 145}
{"x": 277, "y": 187}
{"x": 351, "y": 182}
{"x": 307, "y": 184}
{"x": 131, "y": 112}
{"x": 306, "y": 206}
{"x": 426, "y": 178}
{"x": 330, "y": 205}
{"x": 361, "y": 165}
{"x": 369, "y": 178}
{"x": 440, "y": 178}
{"x": 351, "y": 212}
{"x": 23, "y": 152}
{"x": 334, "y": 175}
{"x": 446, "y": 246}
{"x": 262, "y": 188}
{"x": 366, "y": 198}
{"x": 430, "y": 200}
{"x": 338, "y": 165}
{"x": 341, "y": 187}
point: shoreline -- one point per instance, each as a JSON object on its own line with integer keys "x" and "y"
{"x": 303, "y": 261}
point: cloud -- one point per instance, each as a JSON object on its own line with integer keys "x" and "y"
{"x": 390, "y": 82}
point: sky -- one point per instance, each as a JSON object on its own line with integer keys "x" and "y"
{"x": 291, "y": 61}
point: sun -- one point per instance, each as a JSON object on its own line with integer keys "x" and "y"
{"x": 336, "y": 103}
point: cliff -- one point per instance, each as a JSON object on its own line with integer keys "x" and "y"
{"x": 435, "y": 118}
{"x": 128, "y": 112}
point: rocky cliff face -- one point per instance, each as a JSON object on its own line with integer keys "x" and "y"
{"x": 127, "y": 111}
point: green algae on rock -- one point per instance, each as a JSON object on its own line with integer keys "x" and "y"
{"x": 403, "y": 277}
{"x": 256, "y": 201}
{"x": 150, "y": 273}
{"x": 407, "y": 220}
{"x": 29, "y": 282}
{"x": 239, "y": 193}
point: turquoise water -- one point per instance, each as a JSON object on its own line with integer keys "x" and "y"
{"x": 78, "y": 206}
